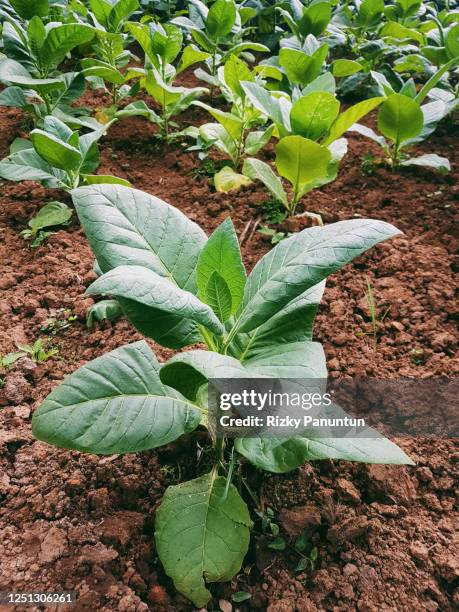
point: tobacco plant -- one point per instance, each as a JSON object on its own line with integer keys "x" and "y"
{"x": 403, "y": 122}
{"x": 162, "y": 45}
{"x": 219, "y": 31}
{"x": 111, "y": 56}
{"x": 56, "y": 156}
{"x": 233, "y": 134}
{"x": 311, "y": 144}
{"x": 30, "y": 71}
{"x": 179, "y": 287}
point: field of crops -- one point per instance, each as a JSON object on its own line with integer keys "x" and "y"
{"x": 193, "y": 191}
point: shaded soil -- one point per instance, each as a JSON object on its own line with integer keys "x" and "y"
{"x": 384, "y": 535}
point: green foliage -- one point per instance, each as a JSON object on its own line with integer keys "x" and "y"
{"x": 218, "y": 31}
{"x": 50, "y": 215}
{"x": 403, "y": 122}
{"x": 233, "y": 134}
{"x": 38, "y": 351}
{"x": 126, "y": 401}
{"x": 162, "y": 45}
{"x": 57, "y": 157}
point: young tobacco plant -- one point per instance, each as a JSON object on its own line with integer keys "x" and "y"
{"x": 219, "y": 31}
{"x": 57, "y": 157}
{"x": 30, "y": 71}
{"x": 403, "y": 122}
{"x": 110, "y": 53}
{"x": 51, "y": 215}
{"x": 232, "y": 134}
{"x": 179, "y": 287}
{"x": 311, "y": 145}
{"x": 163, "y": 44}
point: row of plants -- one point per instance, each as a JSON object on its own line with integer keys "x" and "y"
{"x": 292, "y": 97}
{"x": 271, "y": 74}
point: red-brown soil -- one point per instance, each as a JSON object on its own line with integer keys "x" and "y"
{"x": 385, "y": 536}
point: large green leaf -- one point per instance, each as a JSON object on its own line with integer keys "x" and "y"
{"x": 202, "y": 533}
{"x": 392, "y": 29}
{"x": 281, "y": 455}
{"x": 301, "y": 161}
{"x": 55, "y": 151}
{"x": 124, "y": 224}
{"x": 294, "y": 360}
{"x": 61, "y": 39}
{"x": 101, "y": 9}
{"x": 261, "y": 171}
{"x": 345, "y": 67}
{"x": 26, "y": 165}
{"x": 294, "y": 323}
{"x": 30, "y": 8}
{"x": 188, "y": 371}
{"x": 191, "y": 55}
{"x": 149, "y": 288}
{"x": 350, "y": 116}
{"x": 222, "y": 255}
{"x": 127, "y": 225}
{"x": 400, "y": 118}
{"x": 121, "y": 10}
{"x": 220, "y": 18}
{"x": 115, "y": 404}
{"x": 235, "y": 71}
{"x": 312, "y": 115}
{"x": 14, "y": 73}
{"x": 301, "y": 261}
{"x": 97, "y": 68}
{"x": 315, "y": 19}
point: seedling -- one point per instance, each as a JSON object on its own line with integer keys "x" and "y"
{"x": 51, "y": 215}
{"x": 38, "y": 351}
{"x": 62, "y": 319}
{"x": 260, "y": 325}
{"x": 272, "y": 233}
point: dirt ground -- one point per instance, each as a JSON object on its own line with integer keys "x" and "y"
{"x": 386, "y": 537}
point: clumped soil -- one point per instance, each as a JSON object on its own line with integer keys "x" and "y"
{"x": 385, "y": 536}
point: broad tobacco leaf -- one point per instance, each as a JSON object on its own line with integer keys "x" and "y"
{"x": 115, "y": 404}
{"x": 202, "y": 533}
{"x": 302, "y": 261}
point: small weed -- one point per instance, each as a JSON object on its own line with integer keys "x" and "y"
{"x": 369, "y": 164}
{"x": 38, "y": 351}
{"x": 62, "y": 319}
{"x": 274, "y": 234}
{"x": 376, "y": 316}
{"x": 274, "y": 212}
{"x": 208, "y": 168}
